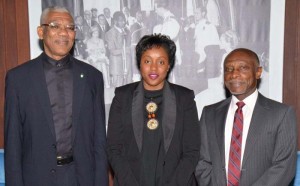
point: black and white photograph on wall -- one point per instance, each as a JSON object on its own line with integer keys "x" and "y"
{"x": 204, "y": 31}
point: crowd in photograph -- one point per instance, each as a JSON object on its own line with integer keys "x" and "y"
{"x": 107, "y": 41}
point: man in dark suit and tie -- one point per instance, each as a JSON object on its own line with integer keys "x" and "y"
{"x": 118, "y": 43}
{"x": 54, "y": 114}
{"x": 108, "y": 18}
{"x": 138, "y": 24}
{"x": 94, "y": 14}
{"x": 247, "y": 139}
{"x": 103, "y": 27}
{"x": 80, "y": 45}
{"x": 88, "y": 23}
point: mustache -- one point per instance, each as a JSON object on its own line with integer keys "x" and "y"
{"x": 235, "y": 81}
{"x": 63, "y": 40}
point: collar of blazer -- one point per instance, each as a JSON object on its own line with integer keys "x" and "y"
{"x": 168, "y": 119}
{"x": 260, "y": 111}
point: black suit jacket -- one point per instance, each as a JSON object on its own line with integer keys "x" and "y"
{"x": 80, "y": 46}
{"x": 30, "y": 154}
{"x": 180, "y": 133}
{"x": 103, "y": 32}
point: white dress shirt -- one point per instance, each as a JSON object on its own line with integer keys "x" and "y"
{"x": 247, "y": 115}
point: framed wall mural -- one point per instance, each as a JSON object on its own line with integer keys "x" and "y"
{"x": 204, "y": 31}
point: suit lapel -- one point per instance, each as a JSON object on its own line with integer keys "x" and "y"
{"x": 137, "y": 114}
{"x": 168, "y": 119}
{"x": 169, "y": 115}
{"x": 258, "y": 118}
{"x": 79, "y": 82}
{"x": 220, "y": 121}
{"x": 40, "y": 86}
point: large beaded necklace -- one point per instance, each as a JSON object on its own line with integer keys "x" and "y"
{"x": 151, "y": 108}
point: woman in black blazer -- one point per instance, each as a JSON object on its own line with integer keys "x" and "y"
{"x": 153, "y": 131}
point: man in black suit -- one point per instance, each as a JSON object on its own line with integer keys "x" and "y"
{"x": 138, "y": 24}
{"x": 88, "y": 23}
{"x": 103, "y": 27}
{"x": 81, "y": 37}
{"x": 94, "y": 14}
{"x": 54, "y": 114}
{"x": 109, "y": 20}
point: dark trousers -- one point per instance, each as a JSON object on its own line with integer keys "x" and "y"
{"x": 66, "y": 175}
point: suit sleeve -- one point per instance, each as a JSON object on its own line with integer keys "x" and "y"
{"x": 116, "y": 149}
{"x": 204, "y": 168}
{"x": 190, "y": 143}
{"x": 113, "y": 49}
{"x": 12, "y": 135}
{"x": 101, "y": 173}
{"x": 284, "y": 159}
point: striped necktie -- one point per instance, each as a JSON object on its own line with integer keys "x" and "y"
{"x": 234, "y": 164}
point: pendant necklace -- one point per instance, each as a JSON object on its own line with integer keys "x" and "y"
{"x": 151, "y": 108}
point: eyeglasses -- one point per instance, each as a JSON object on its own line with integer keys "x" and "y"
{"x": 57, "y": 27}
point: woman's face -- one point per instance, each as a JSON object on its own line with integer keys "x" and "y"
{"x": 154, "y": 67}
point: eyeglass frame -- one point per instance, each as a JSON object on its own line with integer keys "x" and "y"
{"x": 56, "y": 27}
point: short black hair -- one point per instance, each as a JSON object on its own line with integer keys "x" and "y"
{"x": 118, "y": 14}
{"x": 251, "y": 53}
{"x": 156, "y": 40}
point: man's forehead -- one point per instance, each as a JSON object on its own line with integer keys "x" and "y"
{"x": 59, "y": 16}
{"x": 240, "y": 61}
{"x": 237, "y": 61}
{"x": 240, "y": 55}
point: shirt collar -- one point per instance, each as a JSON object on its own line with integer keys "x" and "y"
{"x": 59, "y": 63}
{"x": 249, "y": 101}
{"x": 119, "y": 29}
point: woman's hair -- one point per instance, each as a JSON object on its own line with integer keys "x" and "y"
{"x": 156, "y": 40}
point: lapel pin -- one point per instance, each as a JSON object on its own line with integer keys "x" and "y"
{"x": 81, "y": 75}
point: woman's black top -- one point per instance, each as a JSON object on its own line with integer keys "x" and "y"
{"x": 153, "y": 144}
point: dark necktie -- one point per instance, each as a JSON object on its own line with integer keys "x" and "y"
{"x": 234, "y": 164}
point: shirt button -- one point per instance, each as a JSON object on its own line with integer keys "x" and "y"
{"x": 53, "y": 171}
